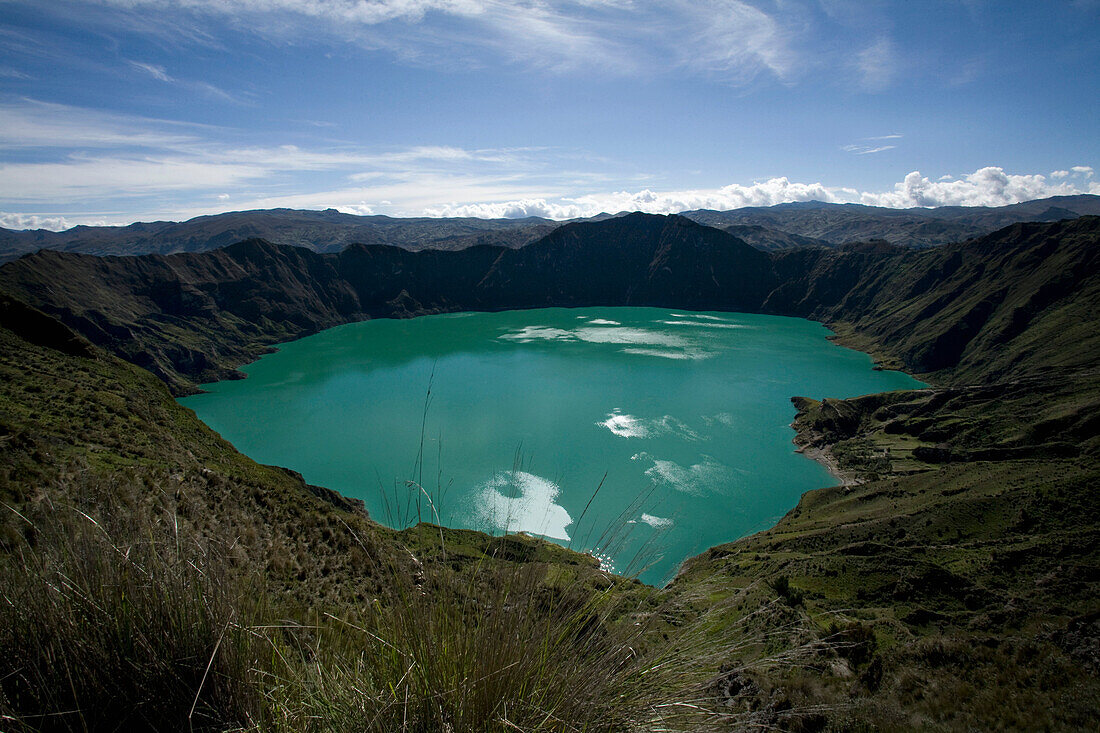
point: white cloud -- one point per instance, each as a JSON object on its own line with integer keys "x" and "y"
{"x": 511, "y": 210}
{"x": 1084, "y": 170}
{"x": 359, "y": 209}
{"x": 36, "y": 221}
{"x": 418, "y": 193}
{"x": 761, "y": 193}
{"x": 989, "y": 186}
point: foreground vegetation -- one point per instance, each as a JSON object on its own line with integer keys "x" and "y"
{"x": 152, "y": 577}
{"x": 136, "y": 624}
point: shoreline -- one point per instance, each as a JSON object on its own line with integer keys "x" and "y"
{"x": 824, "y": 456}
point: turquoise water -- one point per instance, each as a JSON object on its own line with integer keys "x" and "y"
{"x": 673, "y": 427}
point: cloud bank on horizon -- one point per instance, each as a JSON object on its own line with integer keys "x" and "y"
{"x": 114, "y": 111}
{"x": 989, "y": 186}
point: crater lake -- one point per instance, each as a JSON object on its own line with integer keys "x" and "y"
{"x": 641, "y": 435}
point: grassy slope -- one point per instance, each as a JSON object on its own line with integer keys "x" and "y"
{"x": 67, "y": 422}
{"x": 957, "y": 599}
{"x": 952, "y": 583}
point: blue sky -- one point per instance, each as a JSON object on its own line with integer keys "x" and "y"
{"x": 113, "y": 111}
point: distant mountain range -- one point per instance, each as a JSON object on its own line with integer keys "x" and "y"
{"x": 834, "y": 224}
{"x": 320, "y": 231}
{"x": 785, "y": 226}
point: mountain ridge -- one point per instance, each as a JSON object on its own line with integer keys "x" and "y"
{"x": 913, "y": 227}
{"x": 768, "y": 228}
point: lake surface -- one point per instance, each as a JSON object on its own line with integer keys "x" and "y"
{"x": 671, "y": 427}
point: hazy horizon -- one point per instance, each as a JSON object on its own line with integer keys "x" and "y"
{"x": 561, "y": 220}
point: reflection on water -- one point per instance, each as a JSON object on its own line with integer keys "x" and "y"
{"x": 642, "y": 435}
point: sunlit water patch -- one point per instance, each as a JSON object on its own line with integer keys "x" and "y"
{"x": 517, "y": 501}
{"x": 640, "y": 435}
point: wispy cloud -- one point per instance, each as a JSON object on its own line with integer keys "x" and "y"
{"x": 74, "y": 155}
{"x": 863, "y": 148}
{"x": 877, "y": 65}
{"x": 733, "y": 39}
{"x": 6, "y": 72}
{"x": 730, "y": 37}
{"x": 157, "y": 72}
{"x": 29, "y": 123}
{"x": 161, "y": 74}
{"x": 866, "y": 149}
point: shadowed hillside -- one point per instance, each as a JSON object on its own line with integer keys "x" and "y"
{"x": 1016, "y": 301}
{"x": 1011, "y": 303}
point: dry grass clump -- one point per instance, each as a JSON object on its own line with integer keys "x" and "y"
{"x": 508, "y": 654}
{"x": 134, "y": 622}
{"x": 123, "y": 624}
